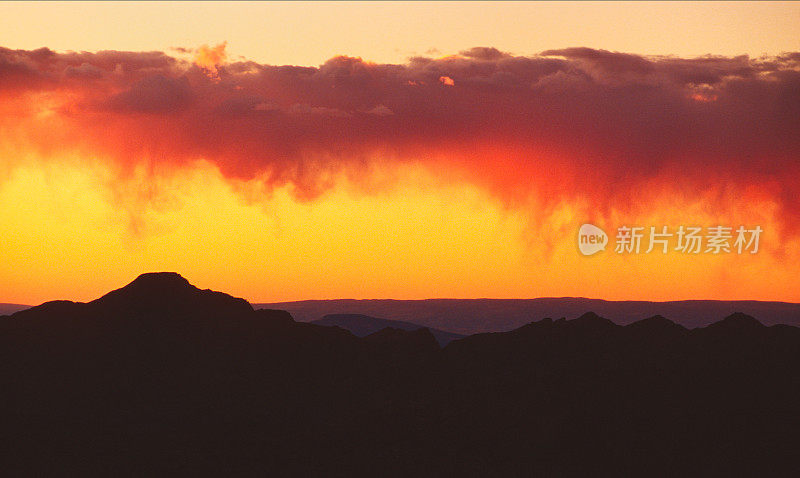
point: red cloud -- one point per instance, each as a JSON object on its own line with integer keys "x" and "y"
{"x": 566, "y": 123}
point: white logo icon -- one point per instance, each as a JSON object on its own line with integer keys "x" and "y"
{"x": 591, "y": 239}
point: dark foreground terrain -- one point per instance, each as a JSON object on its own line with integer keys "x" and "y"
{"x": 161, "y": 378}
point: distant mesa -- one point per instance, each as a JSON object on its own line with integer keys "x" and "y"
{"x": 404, "y": 341}
{"x": 8, "y": 309}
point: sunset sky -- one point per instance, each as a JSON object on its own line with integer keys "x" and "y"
{"x": 399, "y": 150}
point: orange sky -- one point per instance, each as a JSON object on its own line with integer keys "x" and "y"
{"x": 464, "y": 175}
{"x": 302, "y": 33}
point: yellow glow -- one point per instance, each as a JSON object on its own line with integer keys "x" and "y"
{"x": 73, "y": 226}
{"x": 74, "y": 229}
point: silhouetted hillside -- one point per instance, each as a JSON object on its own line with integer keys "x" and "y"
{"x": 472, "y": 316}
{"x": 162, "y": 378}
{"x": 363, "y": 325}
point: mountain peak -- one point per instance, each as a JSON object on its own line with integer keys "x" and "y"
{"x": 161, "y": 279}
{"x": 152, "y": 286}
{"x": 656, "y": 326}
{"x": 591, "y": 318}
{"x": 656, "y": 321}
{"x": 739, "y": 320}
{"x": 168, "y": 292}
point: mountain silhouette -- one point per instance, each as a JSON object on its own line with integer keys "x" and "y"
{"x": 738, "y": 322}
{"x": 169, "y": 293}
{"x": 363, "y": 325}
{"x": 162, "y": 378}
{"x": 657, "y": 324}
{"x": 472, "y": 316}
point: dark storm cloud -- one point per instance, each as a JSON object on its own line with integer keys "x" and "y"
{"x": 154, "y": 94}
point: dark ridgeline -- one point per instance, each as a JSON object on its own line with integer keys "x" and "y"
{"x": 363, "y": 325}
{"x": 162, "y": 378}
{"x": 473, "y": 316}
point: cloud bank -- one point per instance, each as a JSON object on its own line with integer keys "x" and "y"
{"x": 575, "y": 124}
